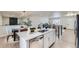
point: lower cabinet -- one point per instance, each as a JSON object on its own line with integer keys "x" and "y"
{"x": 44, "y": 41}
{"x": 49, "y": 39}
{"x": 37, "y": 42}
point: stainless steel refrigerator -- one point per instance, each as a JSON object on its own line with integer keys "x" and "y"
{"x": 77, "y": 31}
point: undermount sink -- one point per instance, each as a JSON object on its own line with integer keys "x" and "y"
{"x": 42, "y": 31}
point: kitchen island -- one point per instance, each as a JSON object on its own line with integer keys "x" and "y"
{"x": 48, "y": 39}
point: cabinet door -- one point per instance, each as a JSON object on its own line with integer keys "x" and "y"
{"x": 37, "y": 43}
{"x": 51, "y": 37}
{"x": 46, "y": 42}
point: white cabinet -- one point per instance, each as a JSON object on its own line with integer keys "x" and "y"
{"x": 35, "y": 39}
{"x": 37, "y": 42}
{"x": 49, "y": 39}
{"x": 46, "y": 37}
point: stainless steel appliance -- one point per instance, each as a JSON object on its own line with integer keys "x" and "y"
{"x": 77, "y": 31}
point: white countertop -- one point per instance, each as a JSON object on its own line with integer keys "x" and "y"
{"x": 28, "y": 36}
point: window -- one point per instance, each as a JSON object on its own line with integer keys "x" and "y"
{"x": 13, "y": 21}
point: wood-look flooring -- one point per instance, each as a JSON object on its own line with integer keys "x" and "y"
{"x": 9, "y": 44}
{"x": 67, "y": 41}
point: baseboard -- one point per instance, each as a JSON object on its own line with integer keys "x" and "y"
{"x": 68, "y": 29}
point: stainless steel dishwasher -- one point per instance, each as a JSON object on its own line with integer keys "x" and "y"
{"x": 37, "y": 42}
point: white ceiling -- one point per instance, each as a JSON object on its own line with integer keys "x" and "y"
{"x": 33, "y": 13}
{"x": 27, "y": 13}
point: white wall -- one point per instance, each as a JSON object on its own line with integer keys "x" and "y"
{"x": 0, "y": 20}
{"x": 68, "y": 21}
{"x": 37, "y": 20}
{"x": 5, "y": 20}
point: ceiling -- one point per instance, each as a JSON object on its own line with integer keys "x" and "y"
{"x": 25, "y": 13}
{"x": 34, "y": 13}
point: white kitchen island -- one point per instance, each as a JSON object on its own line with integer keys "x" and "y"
{"x": 49, "y": 38}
